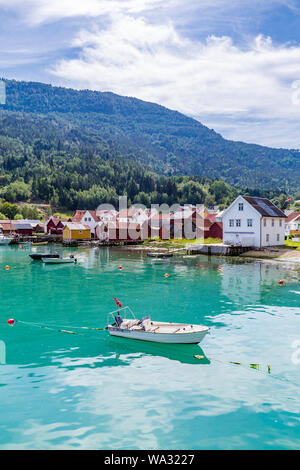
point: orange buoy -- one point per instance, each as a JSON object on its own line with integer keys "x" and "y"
{"x": 6, "y": 267}
{"x": 166, "y": 275}
{"x": 281, "y": 282}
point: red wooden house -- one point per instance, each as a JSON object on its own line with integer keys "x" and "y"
{"x": 112, "y": 231}
{"x": 54, "y": 225}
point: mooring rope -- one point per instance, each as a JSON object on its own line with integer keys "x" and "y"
{"x": 61, "y": 329}
{"x": 252, "y": 366}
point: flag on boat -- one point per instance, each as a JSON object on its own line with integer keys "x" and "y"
{"x": 119, "y": 304}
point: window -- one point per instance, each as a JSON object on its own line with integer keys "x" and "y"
{"x": 238, "y": 222}
{"x": 90, "y": 219}
{"x": 278, "y": 237}
{"x": 249, "y": 222}
{"x": 280, "y": 223}
{"x": 241, "y": 206}
{"x": 231, "y": 222}
{"x": 265, "y": 222}
{"x": 272, "y": 222}
{"x": 267, "y": 237}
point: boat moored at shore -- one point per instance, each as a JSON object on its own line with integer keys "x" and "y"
{"x": 4, "y": 240}
{"x": 59, "y": 260}
{"x": 39, "y": 256}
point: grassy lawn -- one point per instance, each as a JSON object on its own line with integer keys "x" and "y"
{"x": 291, "y": 244}
{"x": 179, "y": 243}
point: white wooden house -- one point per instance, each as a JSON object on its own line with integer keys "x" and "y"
{"x": 88, "y": 218}
{"x": 292, "y": 224}
{"x": 253, "y": 222}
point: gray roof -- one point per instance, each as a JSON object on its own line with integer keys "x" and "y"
{"x": 22, "y": 226}
{"x": 265, "y": 207}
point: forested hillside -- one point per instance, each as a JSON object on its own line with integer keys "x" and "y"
{"x": 80, "y": 148}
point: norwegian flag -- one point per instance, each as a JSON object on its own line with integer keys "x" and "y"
{"x": 118, "y": 303}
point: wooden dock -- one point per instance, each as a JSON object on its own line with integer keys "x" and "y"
{"x": 217, "y": 249}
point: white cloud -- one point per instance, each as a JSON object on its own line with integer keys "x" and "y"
{"x": 248, "y": 91}
{"x": 201, "y": 79}
{"x": 40, "y": 11}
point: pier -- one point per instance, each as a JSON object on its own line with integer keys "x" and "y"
{"x": 217, "y": 249}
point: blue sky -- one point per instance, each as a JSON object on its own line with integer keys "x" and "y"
{"x": 234, "y": 66}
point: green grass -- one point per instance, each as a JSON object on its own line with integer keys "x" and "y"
{"x": 291, "y": 244}
{"x": 179, "y": 243}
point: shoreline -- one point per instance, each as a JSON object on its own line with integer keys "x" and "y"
{"x": 277, "y": 254}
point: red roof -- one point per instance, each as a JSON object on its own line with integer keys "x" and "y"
{"x": 127, "y": 213}
{"x": 78, "y": 215}
{"x": 211, "y": 217}
{"x": 7, "y": 226}
{"x": 94, "y": 215}
{"x": 292, "y": 216}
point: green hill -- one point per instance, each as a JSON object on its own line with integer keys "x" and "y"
{"x": 56, "y": 139}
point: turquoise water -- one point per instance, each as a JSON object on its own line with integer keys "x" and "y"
{"x": 90, "y": 391}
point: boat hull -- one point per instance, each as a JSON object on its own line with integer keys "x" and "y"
{"x": 5, "y": 241}
{"x": 39, "y": 256}
{"x": 57, "y": 261}
{"x": 170, "y": 338}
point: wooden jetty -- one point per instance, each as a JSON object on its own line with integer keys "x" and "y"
{"x": 217, "y": 249}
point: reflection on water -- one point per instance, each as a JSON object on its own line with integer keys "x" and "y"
{"x": 176, "y": 352}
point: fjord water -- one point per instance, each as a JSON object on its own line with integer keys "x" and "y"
{"x": 90, "y": 391}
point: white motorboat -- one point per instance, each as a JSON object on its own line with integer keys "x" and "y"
{"x": 159, "y": 260}
{"x": 159, "y": 332}
{"x": 71, "y": 259}
{"x": 3, "y": 239}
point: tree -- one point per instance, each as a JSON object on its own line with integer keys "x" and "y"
{"x": 209, "y": 200}
{"x": 9, "y": 210}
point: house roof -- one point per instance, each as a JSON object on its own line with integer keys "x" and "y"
{"x": 112, "y": 224}
{"x": 54, "y": 219}
{"x": 127, "y": 213}
{"x": 76, "y": 226}
{"x": 292, "y": 216}
{"x": 265, "y": 207}
{"x": 23, "y": 226}
{"x": 94, "y": 215}
{"x": 78, "y": 215}
{"x": 7, "y": 226}
{"x": 211, "y": 217}
{"x": 31, "y": 222}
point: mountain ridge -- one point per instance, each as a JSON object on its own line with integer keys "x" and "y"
{"x": 165, "y": 140}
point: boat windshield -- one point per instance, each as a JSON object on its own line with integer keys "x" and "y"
{"x": 118, "y": 320}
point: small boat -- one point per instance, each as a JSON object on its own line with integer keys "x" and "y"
{"x": 39, "y": 256}
{"x": 159, "y": 260}
{"x": 159, "y": 332}
{"x": 59, "y": 260}
{"x": 39, "y": 243}
{"x": 3, "y": 239}
{"x": 160, "y": 255}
